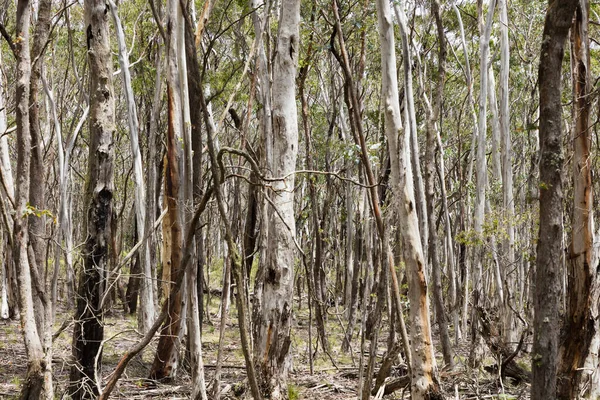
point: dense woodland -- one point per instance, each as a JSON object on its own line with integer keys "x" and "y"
{"x": 299, "y": 199}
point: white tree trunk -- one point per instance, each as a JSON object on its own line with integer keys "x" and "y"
{"x": 38, "y": 382}
{"x": 507, "y": 170}
{"x": 5, "y": 167}
{"x": 5, "y": 170}
{"x": 496, "y": 163}
{"x": 272, "y": 345}
{"x": 411, "y": 122}
{"x": 146, "y": 312}
{"x": 481, "y": 168}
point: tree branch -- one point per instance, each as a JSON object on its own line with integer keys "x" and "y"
{"x": 9, "y": 40}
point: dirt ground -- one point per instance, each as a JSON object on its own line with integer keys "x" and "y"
{"x": 328, "y": 382}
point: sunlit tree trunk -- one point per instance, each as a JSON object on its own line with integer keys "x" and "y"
{"x": 546, "y": 302}
{"x": 88, "y": 331}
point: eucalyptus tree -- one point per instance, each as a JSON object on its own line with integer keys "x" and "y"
{"x": 580, "y": 327}
{"x": 166, "y": 359}
{"x": 88, "y": 331}
{"x": 481, "y": 159}
{"x": 37, "y": 224}
{"x": 147, "y": 312}
{"x": 507, "y": 168}
{"x": 273, "y": 341}
{"x": 38, "y": 384}
{"x": 546, "y": 301}
{"x": 433, "y": 115}
{"x": 424, "y": 383}
{"x": 8, "y": 296}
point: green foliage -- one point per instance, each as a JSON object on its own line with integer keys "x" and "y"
{"x": 293, "y": 392}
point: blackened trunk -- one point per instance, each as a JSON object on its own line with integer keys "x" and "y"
{"x": 548, "y": 274}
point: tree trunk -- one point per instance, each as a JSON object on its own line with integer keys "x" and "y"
{"x": 166, "y": 358}
{"x": 38, "y": 381}
{"x": 507, "y": 173}
{"x": 579, "y": 329}
{"x": 423, "y": 367}
{"x": 193, "y": 190}
{"x": 88, "y": 332}
{"x": 7, "y": 194}
{"x": 147, "y": 312}
{"x": 434, "y": 253}
{"x": 272, "y": 344}
{"x": 37, "y": 223}
{"x": 559, "y": 17}
{"x": 411, "y": 123}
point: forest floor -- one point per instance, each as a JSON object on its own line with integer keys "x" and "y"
{"x": 327, "y": 382}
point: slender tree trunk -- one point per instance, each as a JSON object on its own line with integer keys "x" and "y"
{"x": 37, "y": 224}
{"x": 507, "y": 174}
{"x": 355, "y": 106}
{"x": 434, "y": 253}
{"x": 481, "y": 175}
{"x": 193, "y": 190}
{"x": 423, "y": 367}
{"x": 411, "y": 123}
{"x": 238, "y": 275}
{"x": 7, "y": 194}
{"x": 546, "y": 302}
{"x": 580, "y": 327}
{"x": 88, "y": 331}
{"x": 147, "y": 312}
{"x": 153, "y": 179}
{"x": 38, "y": 381}
{"x": 317, "y": 275}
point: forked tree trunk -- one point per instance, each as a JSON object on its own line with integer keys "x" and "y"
{"x": 580, "y": 326}
{"x": 88, "y": 330}
{"x": 547, "y": 282}
{"x": 272, "y": 344}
